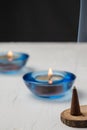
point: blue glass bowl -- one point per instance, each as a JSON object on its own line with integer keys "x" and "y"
{"x": 42, "y": 88}
{"x": 12, "y": 66}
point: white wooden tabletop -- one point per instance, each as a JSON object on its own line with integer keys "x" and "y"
{"x": 19, "y": 108}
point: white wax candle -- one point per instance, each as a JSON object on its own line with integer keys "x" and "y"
{"x": 46, "y": 77}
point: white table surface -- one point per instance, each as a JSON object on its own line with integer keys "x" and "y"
{"x": 19, "y": 108}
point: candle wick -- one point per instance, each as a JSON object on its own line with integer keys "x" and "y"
{"x": 10, "y": 58}
{"x": 50, "y": 79}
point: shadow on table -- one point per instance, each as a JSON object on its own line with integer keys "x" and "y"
{"x": 20, "y": 72}
{"x": 66, "y": 98}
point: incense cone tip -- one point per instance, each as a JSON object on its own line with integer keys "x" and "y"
{"x": 74, "y": 87}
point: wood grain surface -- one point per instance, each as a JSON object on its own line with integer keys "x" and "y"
{"x": 75, "y": 121}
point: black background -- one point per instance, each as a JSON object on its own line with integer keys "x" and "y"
{"x": 39, "y": 20}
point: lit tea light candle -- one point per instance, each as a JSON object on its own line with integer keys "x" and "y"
{"x": 50, "y": 77}
{"x": 49, "y": 84}
{"x": 12, "y": 61}
{"x": 10, "y": 56}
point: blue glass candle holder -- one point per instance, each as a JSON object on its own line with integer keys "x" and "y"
{"x": 16, "y": 63}
{"x": 37, "y": 82}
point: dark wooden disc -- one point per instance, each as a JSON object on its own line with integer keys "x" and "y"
{"x": 75, "y": 121}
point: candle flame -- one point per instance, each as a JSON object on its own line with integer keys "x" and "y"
{"x": 50, "y": 73}
{"x": 10, "y": 55}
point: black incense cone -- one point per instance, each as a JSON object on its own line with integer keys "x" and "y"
{"x": 75, "y": 107}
